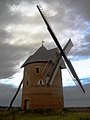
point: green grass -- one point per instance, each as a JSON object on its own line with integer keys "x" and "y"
{"x": 43, "y": 115}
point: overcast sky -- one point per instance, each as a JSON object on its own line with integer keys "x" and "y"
{"x": 22, "y": 31}
{"x": 68, "y": 18}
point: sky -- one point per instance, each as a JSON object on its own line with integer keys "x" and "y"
{"x": 22, "y": 31}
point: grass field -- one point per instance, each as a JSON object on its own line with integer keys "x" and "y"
{"x": 44, "y": 115}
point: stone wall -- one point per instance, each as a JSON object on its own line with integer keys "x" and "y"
{"x": 41, "y": 95}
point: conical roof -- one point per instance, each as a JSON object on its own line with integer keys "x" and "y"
{"x": 42, "y": 54}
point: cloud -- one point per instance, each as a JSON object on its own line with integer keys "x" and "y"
{"x": 70, "y": 21}
{"x": 83, "y": 51}
{"x": 82, "y": 72}
{"x": 6, "y": 94}
{"x": 22, "y": 30}
{"x": 81, "y": 7}
{"x": 71, "y": 99}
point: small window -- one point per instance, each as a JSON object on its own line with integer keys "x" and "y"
{"x": 27, "y": 83}
{"x": 37, "y": 70}
{"x": 40, "y": 82}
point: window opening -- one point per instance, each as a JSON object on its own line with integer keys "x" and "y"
{"x": 27, "y": 83}
{"x": 37, "y": 70}
{"x": 40, "y": 82}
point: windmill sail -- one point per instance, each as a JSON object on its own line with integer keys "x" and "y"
{"x": 60, "y": 48}
{"x": 66, "y": 49}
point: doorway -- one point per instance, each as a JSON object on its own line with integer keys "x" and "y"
{"x": 27, "y": 104}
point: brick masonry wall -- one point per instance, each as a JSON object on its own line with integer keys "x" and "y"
{"x": 41, "y": 95}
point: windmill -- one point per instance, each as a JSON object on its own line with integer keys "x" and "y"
{"x": 48, "y": 85}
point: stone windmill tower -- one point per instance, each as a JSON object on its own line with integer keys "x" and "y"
{"x": 38, "y": 69}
